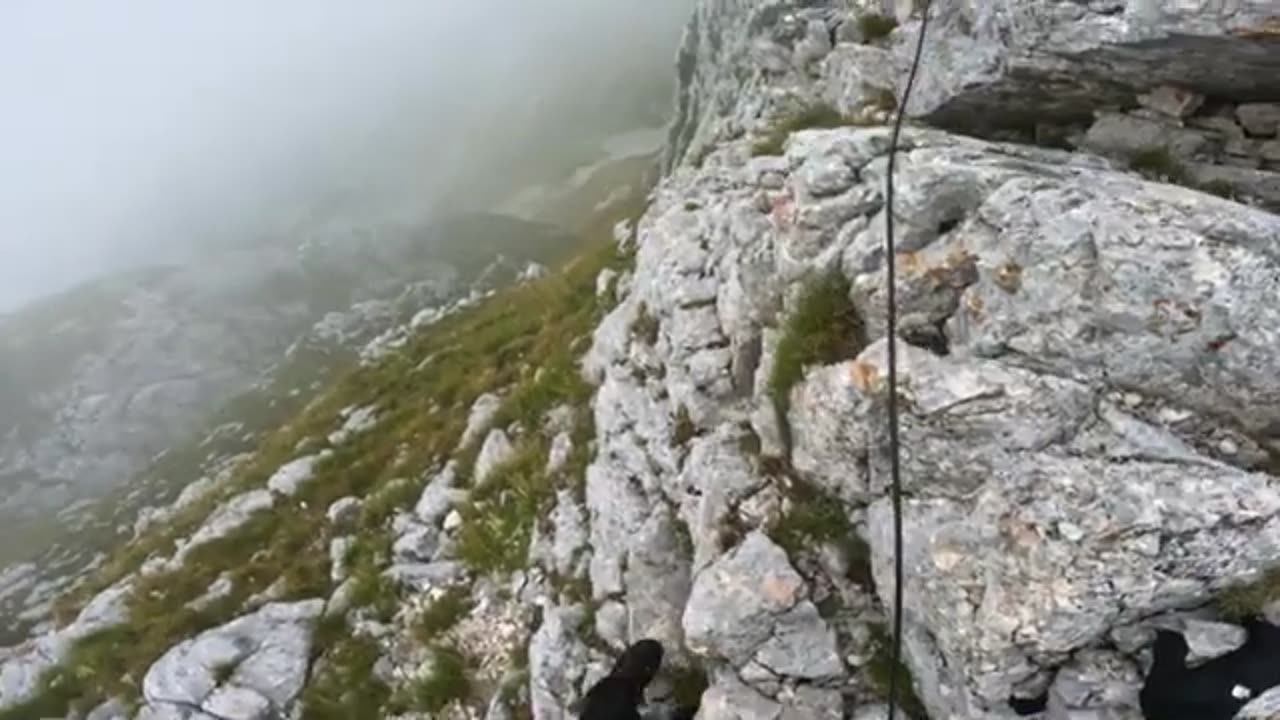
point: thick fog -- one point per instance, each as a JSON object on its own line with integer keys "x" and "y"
{"x": 134, "y": 131}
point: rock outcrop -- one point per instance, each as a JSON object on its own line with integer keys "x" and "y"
{"x": 1087, "y": 346}
{"x": 252, "y": 668}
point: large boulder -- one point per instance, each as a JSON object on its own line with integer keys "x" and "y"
{"x": 252, "y": 668}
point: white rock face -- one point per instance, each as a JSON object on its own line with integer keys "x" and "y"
{"x": 230, "y": 516}
{"x": 355, "y": 421}
{"x": 22, "y": 667}
{"x": 290, "y": 477}
{"x": 483, "y": 411}
{"x": 263, "y": 657}
{"x": 497, "y": 449}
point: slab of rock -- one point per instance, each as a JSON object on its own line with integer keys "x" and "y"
{"x": 339, "y": 549}
{"x": 22, "y": 666}
{"x": 558, "y": 456}
{"x": 722, "y": 477}
{"x": 355, "y": 421}
{"x": 729, "y": 699}
{"x": 253, "y": 667}
{"x": 113, "y": 709}
{"x": 1260, "y": 119}
{"x": 218, "y": 589}
{"x": 750, "y": 606}
{"x": 424, "y": 577}
{"x": 344, "y": 512}
{"x": 290, "y": 477}
{"x": 1264, "y": 707}
{"x": 1122, "y": 136}
{"x": 496, "y": 450}
{"x": 1172, "y": 101}
{"x": 657, "y": 580}
{"x": 982, "y": 63}
{"x": 229, "y": 517}
{"x": 1208, "y": 640}
{"x": 557, "y": 663}
{"x": 417, "y": 544}
{"x": 480, "y": 419}
{"x": 1096, "y": 683}
{"x": 439, "y": 495}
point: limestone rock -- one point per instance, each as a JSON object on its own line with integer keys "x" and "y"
{"x": 1097, "y": 57}
{"x": 113, "y": 709}
{"x": 1264, "y": 707}
{"x": 1171, "y": 101}
{"x": 729, "y": 699}
{"x": 750, "y": 606}
{"x": 229, "y": 517}
{"x": 289, "y": 478}
{"x": 1261, "y": 119}
{"x": 558, "y": 456}
{"x": 1209, "y": 640}
{"x": 480, "y": 419}
{"x": 344, "y": 512}
{"x": 355, "y": 421}
{"x": 22, "y": 667}
{"x": 416, "y": 544}
{"x": 339, "y": 549}
{"x": 1096, "y": 683}
{"x": 254, "y": 666}
{"x": 424, "y": 577}
{"x": 497, "y": 449}
{"x": 557, "y": 663}
{"x": 438, "y": 496}
{"x": 218, "y": 589}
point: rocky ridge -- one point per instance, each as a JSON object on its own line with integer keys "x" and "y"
{"x": 695, "y": 453}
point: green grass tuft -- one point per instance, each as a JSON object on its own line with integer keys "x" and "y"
{"x": 688, "y": 685}
{"x": 880, "y": 670}
{"x": 344, "y": 686}
{"x": 1158, "y": 163}
{"x": 1221, "y": 188}
{"x": 683, "y": 430}
{"x": 824, "y": 327}
{"x": 821, "y": 115}
{"x": 442, "y": 614}
{"x": 875, "y": 26}
{"x": 447, "y": 682}
{"x": 646, "y": 326}
{"x": 498, "y": 522}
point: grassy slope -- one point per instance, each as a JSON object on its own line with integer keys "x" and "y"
{"x": 526, "y": 339}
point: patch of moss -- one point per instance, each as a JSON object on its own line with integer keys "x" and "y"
{"x": 688, "y": 684}
{"x": 820, "y": 115}
{"x": 1245, "y": 601}
{"x": 683, "y": 430}
{"x": 646, "y": 326}
{"x": 824, "y": 327}
{"x": 880, "y": 669}
{"x": 1221, "y": 188}
{"x": 1158, "y": 163}
{"x": 875, "y": 26}
{"x": 814, "y": 518}
{"x": 884, "y": 99}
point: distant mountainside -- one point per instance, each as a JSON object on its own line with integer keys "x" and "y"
{"x": 119, "y": 394}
